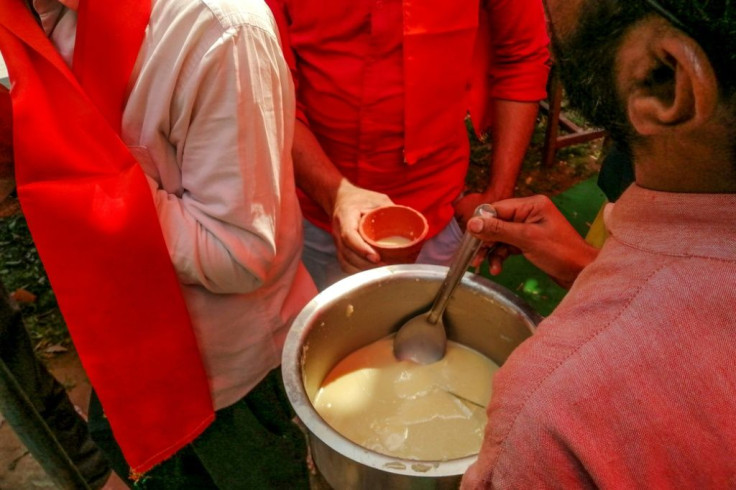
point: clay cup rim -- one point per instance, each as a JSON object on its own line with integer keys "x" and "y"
{"x": 393, "y": 220}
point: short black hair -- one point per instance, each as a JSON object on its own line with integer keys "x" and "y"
{"x": 587, "y": 58}
{"x": 587, "y": 62}
{"x": 712, "y": 23}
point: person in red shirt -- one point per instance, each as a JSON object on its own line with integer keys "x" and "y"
{"x": 383, "y": 89}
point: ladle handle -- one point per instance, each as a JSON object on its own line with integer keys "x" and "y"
{"x": 460, "y": 263}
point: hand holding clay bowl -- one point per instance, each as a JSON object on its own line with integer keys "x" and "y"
{"x": 396, "y": 232}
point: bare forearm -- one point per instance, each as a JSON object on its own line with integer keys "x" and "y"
{"x": 511, "y": 133}
{"x": 315, "y": 174}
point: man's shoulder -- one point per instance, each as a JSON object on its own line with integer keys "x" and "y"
{"x": 234, "y": 13}
{"x": 229, "y": 14}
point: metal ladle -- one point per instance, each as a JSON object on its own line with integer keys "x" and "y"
{"x": 422, "y": 338}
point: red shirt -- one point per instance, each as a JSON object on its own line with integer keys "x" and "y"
{"x": 384, "y": 86}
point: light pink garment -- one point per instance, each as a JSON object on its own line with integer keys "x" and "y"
{"x": 631, "y": 382}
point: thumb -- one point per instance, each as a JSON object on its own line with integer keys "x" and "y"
{"x": 475, "y": 225}
{"x": 490, "y": 229}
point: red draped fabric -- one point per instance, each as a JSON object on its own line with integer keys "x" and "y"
{"x": 92, "y": 218}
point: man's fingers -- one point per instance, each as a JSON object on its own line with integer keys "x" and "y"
{"x": 495, "y": 266}
{"x": 351, "y": 262}
{"x": 353, "y": 244}
{"x": 497, "y": 255}
{"x": 522, "y": 209}
{"x": 355, "y": 255}
{"x": 491, "y": 229}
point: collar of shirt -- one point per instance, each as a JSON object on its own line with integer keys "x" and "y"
{"x": 676, "y": 224}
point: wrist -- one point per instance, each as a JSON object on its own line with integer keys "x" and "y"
{"x": 498, "y": 192}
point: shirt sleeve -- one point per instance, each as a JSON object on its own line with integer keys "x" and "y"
{"x": 534, "y": 435}
{"x": 229, "y": 118}
{"x": 532, "y": 455}
{"x": 519, "y": 50}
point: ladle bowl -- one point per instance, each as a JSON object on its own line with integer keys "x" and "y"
{"x": 422, "y": 338}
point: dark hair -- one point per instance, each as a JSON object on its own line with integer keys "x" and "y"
{"x": 587, "y": 63}
{"x": 587, "y": 58}
{"x": 712, "y": 23}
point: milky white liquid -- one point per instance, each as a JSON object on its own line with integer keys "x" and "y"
{"x": 394, "y": 240}
{"x": 403, "y": 409}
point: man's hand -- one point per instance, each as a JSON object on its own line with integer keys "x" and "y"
{"x": 534, "y": 227}
{"x": 318, "y": 177}
{"x": 466, "y": 205}
{"x": 352, "y": 202}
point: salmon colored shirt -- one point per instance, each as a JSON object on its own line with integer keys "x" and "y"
{"x": 630, "y": 382}
{"x": 385, "y": 86}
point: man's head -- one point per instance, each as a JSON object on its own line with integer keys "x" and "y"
{"x": 656, "y": 73}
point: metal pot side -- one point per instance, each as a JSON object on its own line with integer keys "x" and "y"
{"x": 370, "y": 305}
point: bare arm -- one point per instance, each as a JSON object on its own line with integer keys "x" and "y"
{"x": 321, "y": 180}
{"x": 517, "y": 77}
{"x": 510, "y": 135}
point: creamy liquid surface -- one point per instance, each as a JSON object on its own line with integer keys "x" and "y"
{"x": 395, "y": 240}
{"x": 403, "y": 409}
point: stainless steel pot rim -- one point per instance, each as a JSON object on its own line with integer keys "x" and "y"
{"x": 292, "y": 358}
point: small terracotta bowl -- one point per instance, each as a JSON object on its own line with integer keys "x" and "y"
{"x": 396, "y": 232}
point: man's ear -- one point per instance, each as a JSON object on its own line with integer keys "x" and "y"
{"x": 667, "y": 79}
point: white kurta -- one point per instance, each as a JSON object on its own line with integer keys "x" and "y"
{"x": 210, "y": 119}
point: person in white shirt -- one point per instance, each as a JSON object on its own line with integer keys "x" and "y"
{"x": 210, "y": 119}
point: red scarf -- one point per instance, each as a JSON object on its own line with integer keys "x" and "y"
{"x": 92, "y": 218}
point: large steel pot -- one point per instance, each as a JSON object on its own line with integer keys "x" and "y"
{"x": 366, "y": 307}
